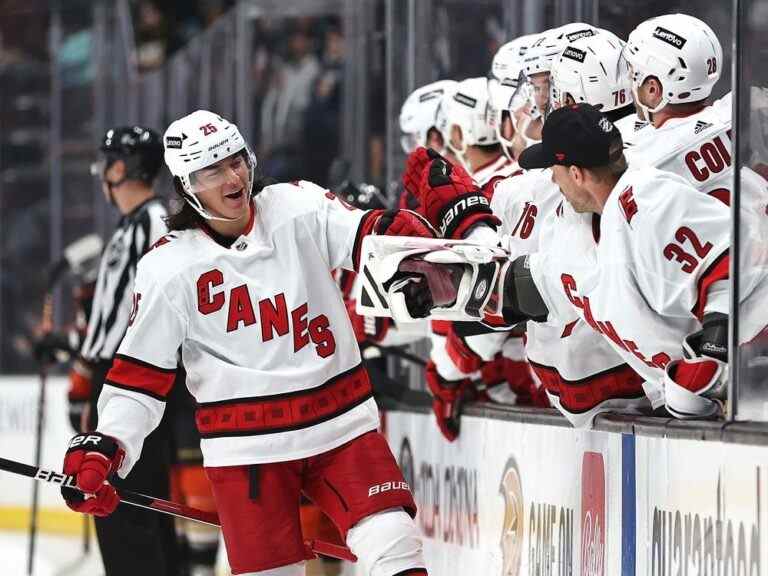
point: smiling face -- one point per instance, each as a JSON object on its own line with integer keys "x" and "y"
{"x": 223, "y": 187}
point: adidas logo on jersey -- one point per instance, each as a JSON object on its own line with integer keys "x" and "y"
{"x": 700, "y": 127}
{"x": 639, "y": 125}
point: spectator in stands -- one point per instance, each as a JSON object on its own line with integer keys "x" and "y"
{"x": 282, "y": 111}
{"x": 322, "y": 118}
{"x": 151, "y": 36}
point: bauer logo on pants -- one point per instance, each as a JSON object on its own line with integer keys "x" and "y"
{"x": 386, "y": 487}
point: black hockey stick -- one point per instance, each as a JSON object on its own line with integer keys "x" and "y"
{"x": 397, "y": 352}
{"x": 158, "y": 504}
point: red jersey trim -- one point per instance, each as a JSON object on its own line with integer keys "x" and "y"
{"x": 284, "y": 412}
{"x": 137, "y": 376}
{"x": 465, "y": 359}
{"x": 363, "y": 229}
{"x": 579, "y": 396}
{"x": 440, "y": 327}
{"x": 718, "y": 270}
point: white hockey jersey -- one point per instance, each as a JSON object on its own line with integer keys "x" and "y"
{"x": 269, "y": 350}
{"x": 490, "y": 174}
{"x": 571, "y": 361}
{"x": 644, "y": 287}
{"x": 697, "y": 147}
{"x": 632, "y": 128}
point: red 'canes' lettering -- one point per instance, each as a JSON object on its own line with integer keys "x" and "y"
{"x": 206, "y": 303}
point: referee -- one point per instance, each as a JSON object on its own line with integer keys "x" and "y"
{"x": 132, "y": 541}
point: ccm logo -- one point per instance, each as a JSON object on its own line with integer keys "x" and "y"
{"x": 55, "y": 478}
{"x": 462, "y": 206}
{"x": 386, "y": 487}
{"x": 83, "y": 439}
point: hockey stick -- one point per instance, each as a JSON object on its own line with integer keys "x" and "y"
{"x": 397, "y": 352}
{"x": 158, "y": 505}
{"x": 47, "y": 327}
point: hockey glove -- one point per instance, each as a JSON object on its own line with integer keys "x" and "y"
{"x": 52, "y": 348}
{"x": 695, "y": 386}
{"x": 79, "y": 393}
{"x": 367, "y": 328}
{"x": 516, "y": 296}
{"x": 403, "y": 223}
{"x": 447, "y": 399}
{"x": 92, "y": 458}
{"x": 448, "y": 197}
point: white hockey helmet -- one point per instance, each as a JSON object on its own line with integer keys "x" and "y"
{"x": 507, "y": 65}
{"x": 681, "y": 51}
{"x": 197, "y": 141}
{"x": 546, "y": 46}
{"x": 592, "y": 70}
{"x": 418, "y": 113}
{"x": 468, "y": 107}
{"x": 510, "y": 92}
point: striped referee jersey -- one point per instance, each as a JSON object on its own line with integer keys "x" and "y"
{"x": 135, "y": 234}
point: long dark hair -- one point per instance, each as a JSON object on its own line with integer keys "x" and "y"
{"x": 186, "y": 217}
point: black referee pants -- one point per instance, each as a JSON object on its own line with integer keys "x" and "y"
{"x": 134, "y": 541}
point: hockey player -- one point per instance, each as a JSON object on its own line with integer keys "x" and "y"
{"x": 675, "y": 62}
{"x": 469, "y": 132}
{"x": 536, "y": 68}
{"x": 530, "y": 209}
{"x": 243, "y": 286}
{"x": 453, "y": 370}
{"x": 655, "y": 285}
{"x": 589, "y": 70}
{"x": 510, "y": 96}
{"x": 132, "y": 540}
{"x": 418, "y": 116}
{"x": 592, "y": 70}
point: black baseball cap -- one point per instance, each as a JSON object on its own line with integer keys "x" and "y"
{"x": 577, "y": 135}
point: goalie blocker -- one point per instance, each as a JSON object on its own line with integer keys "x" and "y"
{"x": 412, "y": 278}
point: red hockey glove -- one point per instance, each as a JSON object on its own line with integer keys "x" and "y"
{"x": 447, "y": 399}
{"x": 448, "y": 197}
{"x": 367, "y": 328}
{"x": 79, "y": 393}
{"x": 696, "y": 385}
{"x": 92, "y": 458}
{"x": 403, "y": 223}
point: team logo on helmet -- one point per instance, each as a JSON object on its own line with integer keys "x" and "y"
{"x": 669, "y": 37}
